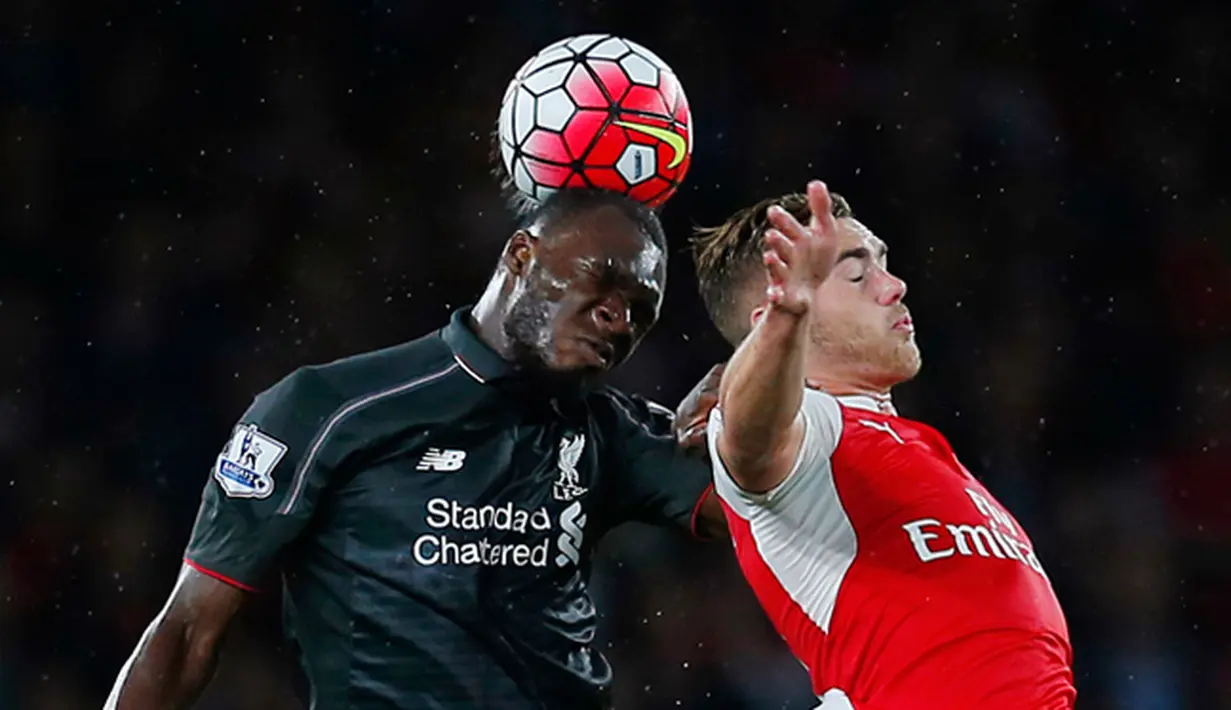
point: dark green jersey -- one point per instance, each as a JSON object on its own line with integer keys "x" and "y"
{"x": 431, "y": 511}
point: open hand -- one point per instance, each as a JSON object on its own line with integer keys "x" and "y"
{"x": 798, "y": 258}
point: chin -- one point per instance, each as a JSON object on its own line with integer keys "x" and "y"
{"x": 900, "y": 365}
{"x": 570, "y": 365}
{"x": 582, "y": 370}
{"x": 910, "y": 362}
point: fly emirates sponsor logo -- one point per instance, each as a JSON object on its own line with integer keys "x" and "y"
{"x": 451, "y": 545}
{"x": 998, "y": 537}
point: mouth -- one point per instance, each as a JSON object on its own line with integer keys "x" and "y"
{"x": 601, "y": 352}
{"x": 904, "y": 324}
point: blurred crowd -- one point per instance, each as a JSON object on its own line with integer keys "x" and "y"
{"x": 198, "y": 197}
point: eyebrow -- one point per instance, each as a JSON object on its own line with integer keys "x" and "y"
{"x": 626, "y": 277}
{"x": 882, "y": 250}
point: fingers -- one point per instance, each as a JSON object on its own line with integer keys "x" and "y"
{"x": 821, "y": 205}
{"x": 693, "y": 436}
{"x": 780, "y": 245}
{"x": 779, "y": 251}
{"x": 785, "y": 223}
{"x": 779, "y": 273}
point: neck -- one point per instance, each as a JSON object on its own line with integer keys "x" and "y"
{"x": 487, "y": 317}
{"x": 844, "y": 386}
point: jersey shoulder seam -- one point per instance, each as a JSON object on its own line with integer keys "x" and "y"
{"x": 439, "y": 371}
{"x": 624, "y": 404}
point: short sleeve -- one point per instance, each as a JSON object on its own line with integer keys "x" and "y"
{"x": 822, "y": 417}
{"x": 654, "y": 481}
{"x": 264, "y": 485}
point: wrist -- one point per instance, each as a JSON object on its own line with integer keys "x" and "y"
{"x": 793, "y": 311}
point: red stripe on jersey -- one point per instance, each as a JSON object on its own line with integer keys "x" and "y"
{"x": 220, "y": 577}
{"x": 696, "y": 512}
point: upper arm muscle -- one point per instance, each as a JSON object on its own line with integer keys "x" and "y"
{"x": 760, "y": 476}
{"x": 203, "y": 606}
{"x": 175, "y": 656}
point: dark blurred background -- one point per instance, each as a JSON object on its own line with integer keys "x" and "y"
{"x": 198, "y": 197}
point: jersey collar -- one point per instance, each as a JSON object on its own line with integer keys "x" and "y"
{"x": 485, "y": 366}
{"x": 474, "y": 356}
{"x": 881, "y": 403}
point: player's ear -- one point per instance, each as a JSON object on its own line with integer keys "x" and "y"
{"x": 757, "y": 314}
{"x": 519, "y": 252}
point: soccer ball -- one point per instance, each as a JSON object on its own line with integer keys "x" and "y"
{"x": 596, "y": 111}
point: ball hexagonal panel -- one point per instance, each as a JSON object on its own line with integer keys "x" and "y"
{"x": 645, "y": 99}
{"x": 583, "y": 89}
{"x": 550, "y": 55}
{"x": 523, "y": 114}
{"x": 610, "y": 48}
{"x": 637, "y": 164}
{"x": 639, "y": 70}
{"x": 554, "y": 109}
{"x": 521, "y": 177}
{"x": 581, "y": 43}
{"x": 547, "y": 146}
{"x": 613, "y": 78}
{"x": 580, "y": 132}
{"x": 547, "y": 78}
{"x": 546, "y": 174}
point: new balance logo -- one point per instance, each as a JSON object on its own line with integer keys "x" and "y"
{"x": 441, "y": 460}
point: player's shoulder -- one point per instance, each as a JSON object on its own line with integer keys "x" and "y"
{"x": 617, "y": 408}
{"x": 330, "y": 385}
{"x": 822, "y": 408}
{"x": 363, "y": 374}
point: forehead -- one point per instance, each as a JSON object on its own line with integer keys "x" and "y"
{"x": 606, "y": 236}
{"x": 853, "y": 234}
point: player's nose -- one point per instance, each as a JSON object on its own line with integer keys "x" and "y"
{"x": 612, "y": 317}
{"x": 893, "y": 291}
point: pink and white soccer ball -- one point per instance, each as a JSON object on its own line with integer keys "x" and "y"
{"x": 596, "y": 111}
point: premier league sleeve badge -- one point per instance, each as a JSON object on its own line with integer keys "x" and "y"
{"x": 245, "y": 466}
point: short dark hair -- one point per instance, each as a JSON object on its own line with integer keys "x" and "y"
{"x": 564, "y": 204}
{"x": 728, "y": 255}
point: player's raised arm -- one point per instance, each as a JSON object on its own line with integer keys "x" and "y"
{"x": 178, "y": 652}
{"x": 762, "y": 388}
{"x": 659, "y": 481}
{"x": 262, "y": 491}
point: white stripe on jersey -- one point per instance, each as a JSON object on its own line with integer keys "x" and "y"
{"x": 800, "y": 528}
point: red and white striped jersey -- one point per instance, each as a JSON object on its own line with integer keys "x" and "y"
{"x": 893, "y": 574}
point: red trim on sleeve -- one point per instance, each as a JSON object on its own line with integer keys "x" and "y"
{"x": 696, "y": 512}
{"x": 220, "y": 577}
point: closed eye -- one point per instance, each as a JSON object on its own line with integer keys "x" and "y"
{"x": 865, "y": 257}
